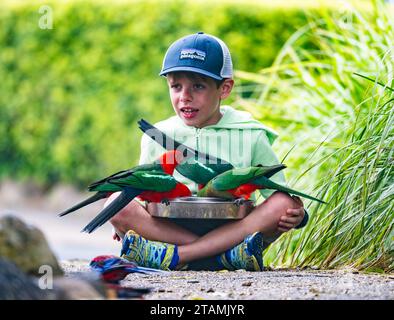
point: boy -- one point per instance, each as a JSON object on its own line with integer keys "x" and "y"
{"x": 199, "y": 73}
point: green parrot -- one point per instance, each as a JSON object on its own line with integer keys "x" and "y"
{"x": 150, "y": 182}
{"x": 197, "y": 166}
{"x": 240, "y": 183}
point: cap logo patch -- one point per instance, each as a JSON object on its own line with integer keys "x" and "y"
{"x": 192, "y": 54}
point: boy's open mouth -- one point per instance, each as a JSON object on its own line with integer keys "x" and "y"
{"x": 189, "y": 113}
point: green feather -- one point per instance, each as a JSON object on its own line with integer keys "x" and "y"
{"x": 268, "y": 184}
{"x": 125, "y": 173}
{"x": 236, "y": 177}
{"x": 146, "y": 180}
{"x": 196, "y": 171}
{"x": 106, "y": 187}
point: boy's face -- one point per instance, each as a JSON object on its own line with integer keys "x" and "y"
{"x": 196, "y": 98}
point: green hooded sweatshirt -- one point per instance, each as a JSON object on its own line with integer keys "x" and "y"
{"x": 236, "y": 138}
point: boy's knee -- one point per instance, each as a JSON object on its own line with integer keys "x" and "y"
{"x": 283, "y": 200}
{"x": 279, "y": 202}
{"x": 124, "y": 215}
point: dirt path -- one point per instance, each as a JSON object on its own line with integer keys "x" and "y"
{"x": 267, "y": 285}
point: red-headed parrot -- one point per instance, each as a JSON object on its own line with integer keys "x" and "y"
{"x": 240, "y": 183}
{"x": 113, "y": 269}
{"x": 151, "y": 182}
{"x": 17, "y": 285}
{"x": 198, "y": 167}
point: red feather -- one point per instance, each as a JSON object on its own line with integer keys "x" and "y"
{"x": 170, "y": 160}
{"x": 244, "y": 191}
{"x": 180, "y": 190}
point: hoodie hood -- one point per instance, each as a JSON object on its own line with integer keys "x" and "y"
{"x": 231, "y": 119}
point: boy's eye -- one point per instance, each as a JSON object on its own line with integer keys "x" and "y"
{"x": 175, "y": 86}
{"x": 199, "y": 86}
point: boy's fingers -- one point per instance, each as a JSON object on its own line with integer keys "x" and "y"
{"x": 293, "y": 216}
{"x": 283, "y": 229}
{"x": 286, "y": 225}
{"x": 288, "y": 219}
{"x": 295, "y": 212}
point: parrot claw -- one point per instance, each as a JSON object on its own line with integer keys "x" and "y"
{"x": 166, "y": 202}
{"x": 239, "y": 202}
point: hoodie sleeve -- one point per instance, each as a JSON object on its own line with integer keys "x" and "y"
{"x": 264, "y": 154}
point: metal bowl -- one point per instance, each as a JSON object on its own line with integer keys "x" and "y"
{"x": 201, "y": 208}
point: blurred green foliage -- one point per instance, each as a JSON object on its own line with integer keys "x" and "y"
{"x": 70, "y": 96}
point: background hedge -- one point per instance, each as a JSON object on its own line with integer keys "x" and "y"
{"x": 70, "y": 96}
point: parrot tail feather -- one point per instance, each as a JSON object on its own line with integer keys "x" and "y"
{"x": 154, "y": 133}
{"x": 113, "y": 208}
{"x": 269, "y": 184}
{"x": 94, "y": 198}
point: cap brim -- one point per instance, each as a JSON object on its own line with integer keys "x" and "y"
{"x": 191, "y": 69}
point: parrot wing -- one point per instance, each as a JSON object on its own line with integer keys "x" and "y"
{"x": 146, "y": 180}
{"x": 196, "y": 171}
{"x": 236, "y": 177}
{"x": 132, "y": 185}
{"x": 271, "y": 170}
{"x": 125, "y": 173}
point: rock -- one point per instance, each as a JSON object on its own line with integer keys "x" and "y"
{"x": 76, "y": 289}
{"x": 247, "y": 284}
{"x": 16, "y": 285}
{"x": 26, "y": 246}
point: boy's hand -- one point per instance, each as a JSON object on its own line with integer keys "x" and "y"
{"x": 293, "y": 217}
{"x": 115, "y": 236}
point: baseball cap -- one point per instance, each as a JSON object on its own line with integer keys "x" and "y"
{"x": 201, "y": 53}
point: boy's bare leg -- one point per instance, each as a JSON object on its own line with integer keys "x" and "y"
{"x": 263, "y": 218}
{"x": 135, "y": 217}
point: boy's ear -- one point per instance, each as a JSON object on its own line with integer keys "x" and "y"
{"x": 226, "y": 88}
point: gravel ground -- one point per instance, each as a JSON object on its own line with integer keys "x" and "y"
{"x": 267, "y": 285}
{"x": 64, "y": 237}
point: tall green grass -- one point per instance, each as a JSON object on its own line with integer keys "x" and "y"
{"x": 337, "y": 137}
